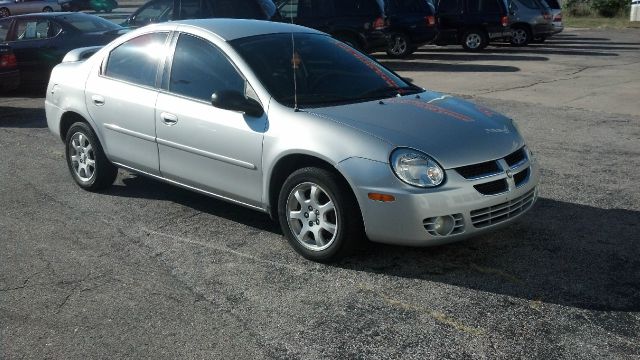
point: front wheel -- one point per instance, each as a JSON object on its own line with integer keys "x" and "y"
{"x": 474, "y": 40}
{"x": 399, "y": 46}
{"x": 47, "y": 9}
{"x": 4, "y": 12}
{"x": 318, "y": 215}
{"x": 521, "y": 36}
{"x": 87, "y": 162}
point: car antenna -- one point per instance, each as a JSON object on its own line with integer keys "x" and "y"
{"x": 293, "y": 66}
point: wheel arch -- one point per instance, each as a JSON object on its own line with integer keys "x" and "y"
{"x": 523, "y": 25}
{"x": 289, "y": 163}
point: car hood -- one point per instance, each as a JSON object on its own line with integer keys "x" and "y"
{"x": 453, "y": 131}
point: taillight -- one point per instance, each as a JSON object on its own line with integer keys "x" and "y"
{"x": 504, "y": 21}
{"x": 378, "y": 24}
{"x": 558, "y": 17}
{"x": 547, "y": 16}
{"x": 431, "y": 20}
{"x": 8, "y": 61}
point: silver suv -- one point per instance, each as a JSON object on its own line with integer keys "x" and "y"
{"x": 529, "y": 19}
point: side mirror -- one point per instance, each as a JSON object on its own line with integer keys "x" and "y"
{"x": 236, "y": 101}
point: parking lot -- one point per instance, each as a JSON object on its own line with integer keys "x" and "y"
{"x": 146, "y": 270}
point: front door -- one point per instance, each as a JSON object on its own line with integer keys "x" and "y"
{"x": 212, "y": 149}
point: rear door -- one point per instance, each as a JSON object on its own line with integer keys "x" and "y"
{"x": 212, "y": 149}
{"x": 486, "y": 13}
{"x": 449, "y": 13}
{"x": 121, "y": 98}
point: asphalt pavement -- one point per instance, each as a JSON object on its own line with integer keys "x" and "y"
{"x": 144, "y": 270}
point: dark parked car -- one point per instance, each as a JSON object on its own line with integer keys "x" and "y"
{"x": 359, "y": 23}
{"x": 472, "y": 23}
{"x": 9, "y": 73}
{"x": 529, "y": 19}
{"x": 412, "y": 23}
{"x": 157, "y": 11}
{"x": 95, "y": 5}
{"x": 40, "y": 41}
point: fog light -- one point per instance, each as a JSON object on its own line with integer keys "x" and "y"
{"x": 443, "y": 225}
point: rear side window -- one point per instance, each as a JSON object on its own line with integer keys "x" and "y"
{"x": 306, "y": 9}
{"x": 137, "y": 60}
{"x": 408, "y": 6}
{"x": 357, "y": 8}
{"x": 195, "y": 9}
{"x": 238, "y": 9}
{"x": 531, "y": 4}
{"x": 484, "y": 6}
{"x": 199, "y": 69}
{"x": 448, "y": 6}
{"x": 4, "y": 29}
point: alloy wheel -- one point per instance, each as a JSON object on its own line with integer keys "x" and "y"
{"x": 473, "y": 41}
{"x": 519, "y": 36}
{"x": 400, "y": 46}
{"x": 312, "y": 216}
{"x": 83, "y": 157}
{"x": 4, "y": 12}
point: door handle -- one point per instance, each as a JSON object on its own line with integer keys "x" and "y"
{"x": 97, "y": 100}
{"x": 169, "y": 119}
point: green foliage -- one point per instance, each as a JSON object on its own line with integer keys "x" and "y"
{"x": 610, "y": 8}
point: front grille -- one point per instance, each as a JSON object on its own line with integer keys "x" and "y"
{"x": 502, "y": 212}
{"x": 521, "y": 177}
{"x": 493, "y": 187}
{"x": 515, "y": 157}
{"x": 458, "y": 227}
{"x": 479, "y": 170}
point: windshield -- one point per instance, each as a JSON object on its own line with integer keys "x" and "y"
{"x": 326, "y": 71}
{"x": 87, "y": 24}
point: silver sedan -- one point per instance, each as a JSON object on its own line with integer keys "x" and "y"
{"x": 17, "y": 7}
{"x": 291, "y": 122}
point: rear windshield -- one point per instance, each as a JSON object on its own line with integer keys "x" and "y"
{"x": 554, "y": 4}
{"x": 406, "y": 6}
{"x": 321, "y": 71}
{"x": 87, "y": 24}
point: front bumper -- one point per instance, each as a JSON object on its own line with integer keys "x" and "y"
{"x": 409, "y": 219}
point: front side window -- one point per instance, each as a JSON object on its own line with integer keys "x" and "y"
{"x": 137, "y": 60}
{"x": 320, "y": 71}
{"x": 35, "y": 29}
{"x": 199, "y": 69}
{"x": 155, "y": 11}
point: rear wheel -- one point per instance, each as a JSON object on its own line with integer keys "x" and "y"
{"x": 87, "y": 162}
{"x": 4, "y": 12}
{"x": 47, "y": 9}
{"x": 318, "y": 215}
{"x": 474, "y": 40}
{"x": 521, "y": 36}
{"x": 399, "y": 46}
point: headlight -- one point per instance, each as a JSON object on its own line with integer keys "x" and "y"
{"x": 416, "y": 168}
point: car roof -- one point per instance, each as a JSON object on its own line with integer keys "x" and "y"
{"x": 231, "y": 29}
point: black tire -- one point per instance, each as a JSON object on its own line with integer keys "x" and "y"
{"x": 399, "y": 46}
{"x": 521, "y": 36}
{"x": 4, "y": 12}
{"x": 47, "y": 9}
{"x": 103, "y": 172}
{"x": 474, "y": 40}
{"x": 539, "y": 40}
{"x": 346, "y": 216}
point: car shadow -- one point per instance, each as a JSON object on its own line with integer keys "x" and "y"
{"x": 425, "y": 54}
{"x": 561, "y": 253}
{"x": 134, "y": 186}
{"x": 15, "y": 117}
{"x": 400, "y": 65}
